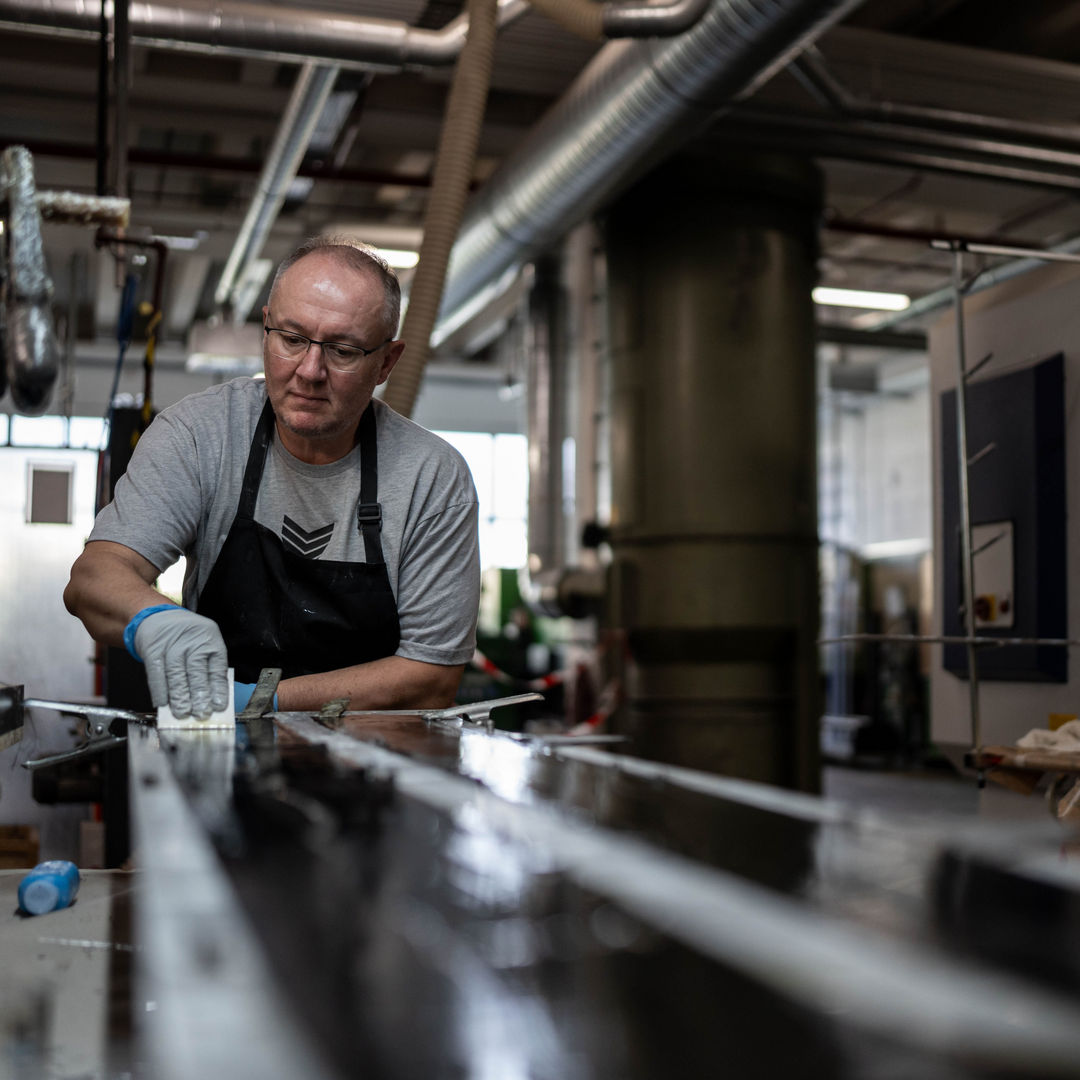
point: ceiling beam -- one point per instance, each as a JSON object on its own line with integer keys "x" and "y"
{"x": 876, "y": 339}
{"x": 219, "y": 163}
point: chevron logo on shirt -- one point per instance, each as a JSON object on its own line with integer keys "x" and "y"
{"x": 309, "y": 544}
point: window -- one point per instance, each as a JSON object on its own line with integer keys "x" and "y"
{"x": 48, "y": 495}
{"x": 500, "y": 469}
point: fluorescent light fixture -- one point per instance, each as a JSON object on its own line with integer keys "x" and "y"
{"x": 398, "y": 258}
{"x": 879, "y": 301}
{"x": 896, "y": 549}
{"x": 378, "y": 234}
{"x": 224, "y": 349}
{"x": 202, "y": 363}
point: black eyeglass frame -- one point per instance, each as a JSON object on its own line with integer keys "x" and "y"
{"x": 312, "y": 341}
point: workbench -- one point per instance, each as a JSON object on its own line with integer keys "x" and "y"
{"x": 398, "y": 898}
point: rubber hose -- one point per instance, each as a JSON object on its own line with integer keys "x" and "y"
{"x": 454, "y": 167}
{"x": 582, "y": 17}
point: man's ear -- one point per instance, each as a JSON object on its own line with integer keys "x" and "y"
{"x": 393, "y": 355}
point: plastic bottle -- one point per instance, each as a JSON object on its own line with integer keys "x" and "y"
{"x": 49, "y": 886}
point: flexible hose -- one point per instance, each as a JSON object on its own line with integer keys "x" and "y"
{"x": 125, "y": 325}
{"x": 582, "y": 17}
{"x": 454, "y": 167}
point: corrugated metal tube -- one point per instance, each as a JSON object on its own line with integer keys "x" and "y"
{"x": 634, "y": 101}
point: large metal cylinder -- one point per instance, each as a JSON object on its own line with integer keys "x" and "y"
{"x": 714, "y": 518}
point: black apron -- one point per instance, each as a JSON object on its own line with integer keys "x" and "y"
{"x": 277, "y": 608}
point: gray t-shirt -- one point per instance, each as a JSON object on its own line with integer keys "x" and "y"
{"x": 180, "y": 493}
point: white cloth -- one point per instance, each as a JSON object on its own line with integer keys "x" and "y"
{"x": 1067, "y": 738}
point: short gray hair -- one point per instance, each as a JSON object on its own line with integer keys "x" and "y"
{"x": 360, "y": 257}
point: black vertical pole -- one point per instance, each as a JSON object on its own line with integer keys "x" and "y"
{"x": 117, "y": 825}
{"x": 121, "y": 63}
{"x": 103, "y": 103}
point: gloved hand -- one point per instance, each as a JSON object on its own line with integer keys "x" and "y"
{"x": 187, "y": 665}
{"x": 242, "y": 692}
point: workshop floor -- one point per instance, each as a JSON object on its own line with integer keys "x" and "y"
{"x": 901, "y": 792}
{"x": 928, "y": 793}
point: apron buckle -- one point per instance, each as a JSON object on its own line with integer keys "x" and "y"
{"x": 369, "y": 514}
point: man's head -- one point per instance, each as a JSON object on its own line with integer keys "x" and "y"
{"x": 331, "y": 289}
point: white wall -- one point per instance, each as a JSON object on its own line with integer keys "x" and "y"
{"x": 468, "y": 397}
{"x": 1022, "y": 322}
{"x": 874, "y": 480}
{"x": 41, "y": 645}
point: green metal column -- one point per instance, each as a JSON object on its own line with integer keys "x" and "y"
{"x": 714, "y": 520}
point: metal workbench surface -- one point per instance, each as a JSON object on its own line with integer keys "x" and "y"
{"x": 401, "y": 898}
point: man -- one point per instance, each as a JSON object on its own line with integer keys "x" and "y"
{"x": 324, "y": 533}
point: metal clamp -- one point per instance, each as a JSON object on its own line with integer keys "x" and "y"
{"x": 97, "y": 719}
{"x": 478, "y": 712}
{"x": 262, "y": 697}
{"x": 331, "y": 713}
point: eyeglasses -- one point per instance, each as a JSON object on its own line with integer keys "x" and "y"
{"x": 338, "y": 356}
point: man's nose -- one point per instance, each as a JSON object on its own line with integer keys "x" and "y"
{"x": 311, "y": 367}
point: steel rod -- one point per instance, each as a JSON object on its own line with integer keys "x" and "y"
{"x": 118, "y": 163}
{"x": 950, "y": 639}
{"x": 102, "y": 144}
{"x": 965, "y": 499}
{"x": 1019, "y": 251}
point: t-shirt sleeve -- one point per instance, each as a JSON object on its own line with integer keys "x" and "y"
{"x": 439, "y": 588}
{"x": 157, "y": 504}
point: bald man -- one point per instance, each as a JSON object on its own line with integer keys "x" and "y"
{"x": 324, "y": 533}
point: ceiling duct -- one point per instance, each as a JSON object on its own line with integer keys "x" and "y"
{"x": 293, "y": 35}
{"x": 27, "y": 339}
{"x": 633, "y": 102}
{"x": 262, "y": 31}
{"x": 306, "y": 104}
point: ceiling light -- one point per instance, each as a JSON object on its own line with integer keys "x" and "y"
{"x": 201, "y": 363}
{"x": 399, "y": 259}
{"x": 880, "y": 301}
{"x": 896, "y": 549}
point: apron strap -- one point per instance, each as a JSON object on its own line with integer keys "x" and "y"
{"x": 369, "y": 509}
{"x": 264, "y": 432}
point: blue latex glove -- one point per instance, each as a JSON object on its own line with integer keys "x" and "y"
{"x": 242, "y": 692}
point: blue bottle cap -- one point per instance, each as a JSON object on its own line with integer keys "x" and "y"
{"x": 40, "y": 896}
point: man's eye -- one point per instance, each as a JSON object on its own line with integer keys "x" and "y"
{"x": 342, "y": 352}
{"x": 293, "y": 340}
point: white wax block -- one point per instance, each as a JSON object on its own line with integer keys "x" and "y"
{"x": 226, "y": 719}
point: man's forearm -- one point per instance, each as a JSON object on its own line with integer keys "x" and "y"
{"x": 391, "y": 683}
{"x": 109, "y": 585}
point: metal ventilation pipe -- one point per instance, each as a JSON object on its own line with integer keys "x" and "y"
{"x": 633, "y": 102}
{"x": 29, "y": 339}
{"x": 262, "y": 31}
{"x": 313, "y": 86}
{"x": 588, "y": 19}
{"x": 268, "y": 32}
